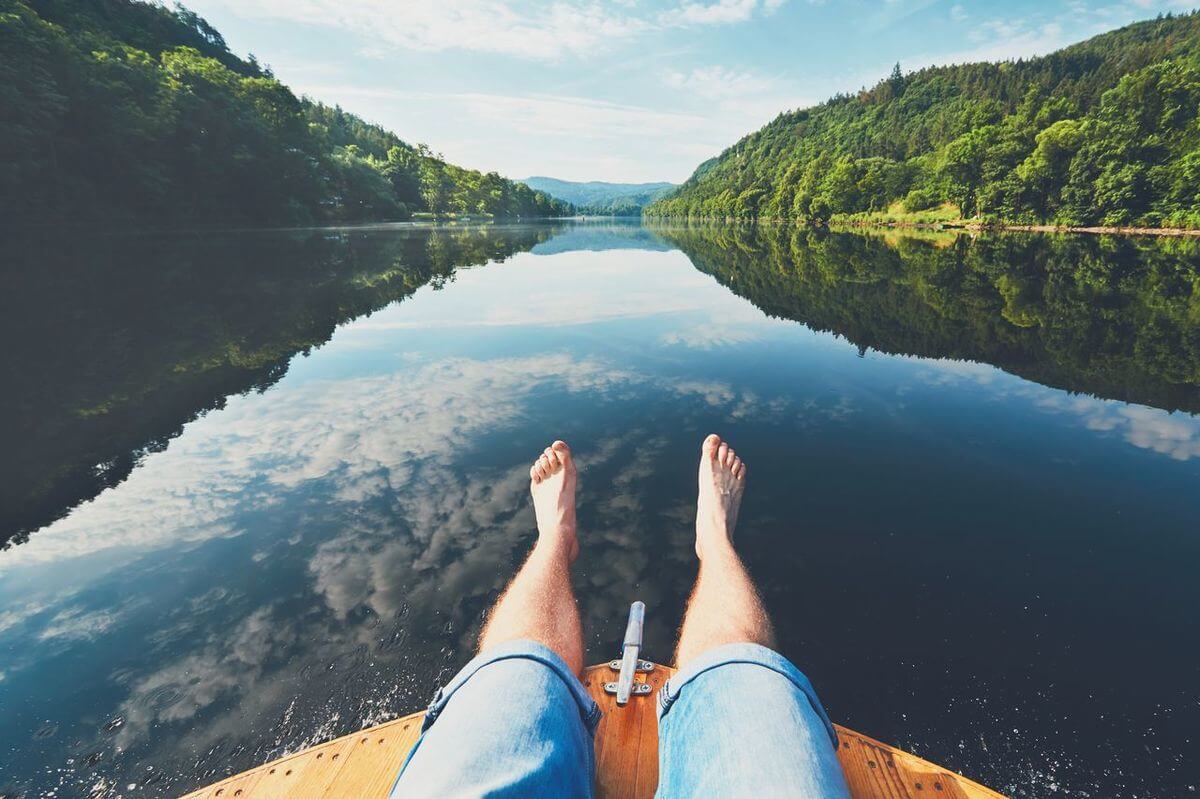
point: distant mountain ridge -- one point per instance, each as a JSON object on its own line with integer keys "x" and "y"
{"x": 600, "y": 197}
{"x": 1104, "y": 132}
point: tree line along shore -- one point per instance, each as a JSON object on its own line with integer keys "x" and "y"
{"x": 127, "y": 112}
{"x": 1101, "y": 134}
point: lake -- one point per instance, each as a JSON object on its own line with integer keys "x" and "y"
{"x": 260, "y": 486}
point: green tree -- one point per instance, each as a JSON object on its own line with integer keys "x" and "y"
{"x": 126, "y": 111}
{"x": 1104, "y": 131}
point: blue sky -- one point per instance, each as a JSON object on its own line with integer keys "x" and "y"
{"x": 625, "y": 90}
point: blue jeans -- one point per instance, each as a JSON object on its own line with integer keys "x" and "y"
{"x": 740, "y": 720}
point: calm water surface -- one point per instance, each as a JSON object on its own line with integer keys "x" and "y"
{"x": 261, "y": 486}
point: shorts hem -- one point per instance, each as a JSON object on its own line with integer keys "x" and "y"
{"x": 745, "y": 653}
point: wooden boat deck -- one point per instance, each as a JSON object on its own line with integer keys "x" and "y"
{"x": 363, "y": 765}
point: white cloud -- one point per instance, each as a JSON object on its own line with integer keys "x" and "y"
{"x": 1018, "y": 36}
{"x": 1002, "y": 38}
{"x": 76, "y": 623}
{"x": 722, "y": 11}
{"x": 892, "y": 12}
{"x": 536, "y": 114}
{"x": 542, "y": 114}
{"x": 947, "y": 372}
{"x": 478, "y": 25}
{"x": 13, "y": 616}
{"x": 579, "y": 137}
{"x": 718, "y": 82}
{"x": 377, "y": 437}
{"x": 709, "y": 336}
{"x": 231, "y": 664}
{"x": 523, "y": 29}
{"x": 1175, "y": 435}
{"x": 663, "y": 283}
{"x": 735, "y": 101}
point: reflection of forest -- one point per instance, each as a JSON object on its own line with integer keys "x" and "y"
{"x": 113, "y": 343}
{"x": 1115, "y": 317}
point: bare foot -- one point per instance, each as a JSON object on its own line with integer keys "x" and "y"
{"x": 722, "y": 483}
{"x": 552, "y": 483}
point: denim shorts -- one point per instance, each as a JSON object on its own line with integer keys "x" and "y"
{"x": 740, "y": 720}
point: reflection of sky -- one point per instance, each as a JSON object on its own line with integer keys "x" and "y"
{"x": 530, "y": 290}
{"x": 1176, "y": 435}
{"x": 356, "y": 518}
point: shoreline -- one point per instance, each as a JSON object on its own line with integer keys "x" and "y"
{"x": 979, "y": 227}
{"x": 951, "y": 226}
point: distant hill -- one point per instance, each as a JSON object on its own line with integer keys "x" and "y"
{"x": 1101, "y": 132}
{"x": 598, "y": 197}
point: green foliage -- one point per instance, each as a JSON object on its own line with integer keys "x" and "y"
{"x": 1101, "y": 133}
{"x": 919, "y": 200}
{"x": 1115, "y": 316}
{"x": 125, "y": 111}
{"x": 124, "y": 339}
{"x": 628, "y": 205}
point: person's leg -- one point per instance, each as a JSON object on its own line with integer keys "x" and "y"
{"x": 737, "y": 719}
{"x": 539, "y": 604}
{"x": 516, "y": 721}
{"x": 724, "y": 607}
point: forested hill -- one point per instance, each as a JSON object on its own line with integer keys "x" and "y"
{"x": 1102, "y": 132}
{"x": 601, "y": 198}
{"x": 126, "y": 111}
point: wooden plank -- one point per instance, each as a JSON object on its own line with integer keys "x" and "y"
{"x": 239, "y": 786}
{"x": 372, "y": 759}
{"x": 647, "y": 771}
{"x": 875, "y": 770}
{"x": 320, "y": 772}
{"x": 618, "y": 738}
{"x": 627, "y": 737}
{"x": 364, "y": 765}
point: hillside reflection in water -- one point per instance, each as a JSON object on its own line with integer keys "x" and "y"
{"x": 265, "y": 484}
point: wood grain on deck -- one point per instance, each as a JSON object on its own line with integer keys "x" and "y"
{"x": 363, "y": 765}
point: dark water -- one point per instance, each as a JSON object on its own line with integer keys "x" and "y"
{"x": 259, "y": 487}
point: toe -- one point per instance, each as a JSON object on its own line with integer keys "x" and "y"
{"x": 739, "y": 469}
{"x": 730, "y": 457}
{"x": 551, "y": 457}
{"x": 563, "y": 451}
{"x": 709, "y": 447}
{"x": 535, "y": 474}
{"x": 722, "y": 452}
